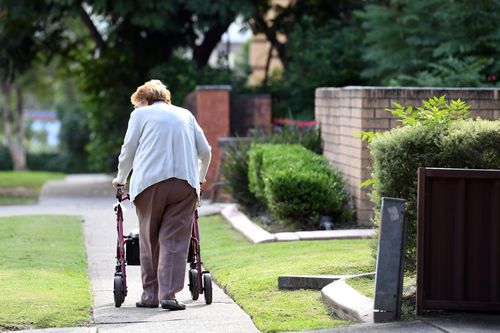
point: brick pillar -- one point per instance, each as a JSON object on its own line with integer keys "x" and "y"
{"x": 212, "y": 114}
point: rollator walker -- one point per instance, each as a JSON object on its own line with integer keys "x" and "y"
{"x": 127, "y": 254}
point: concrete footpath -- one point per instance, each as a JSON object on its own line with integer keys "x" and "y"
{"x": 91, "y": 197}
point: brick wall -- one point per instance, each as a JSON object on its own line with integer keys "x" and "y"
{"x": 249, "y": 111}
{"x": 341, "y": 112}
{"x": 220, "y": 115}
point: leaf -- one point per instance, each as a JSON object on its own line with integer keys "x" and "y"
{"x": 366, "y": 183}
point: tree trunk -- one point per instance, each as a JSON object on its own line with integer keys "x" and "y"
{"x": 268, "y": 64}
{"x": 202, "y": 52}
{"x": 14, "y": 139}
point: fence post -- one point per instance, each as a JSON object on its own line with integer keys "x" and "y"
{"x": 390, "y": 260}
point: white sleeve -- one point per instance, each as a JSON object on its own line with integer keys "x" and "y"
{"x": 129, "y": 147}
{"x": 204, "y": 150}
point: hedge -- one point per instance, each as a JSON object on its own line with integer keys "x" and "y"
{"x": 296, "y": 184}
{"x": 399, "y": 153}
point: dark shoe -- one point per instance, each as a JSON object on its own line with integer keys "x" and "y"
{"x": 172, "y": 305}
{"x": 141, "y": 304}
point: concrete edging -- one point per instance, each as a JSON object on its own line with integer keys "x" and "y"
{"x": 257, "y": 235}
{"x": 347, "y": 303}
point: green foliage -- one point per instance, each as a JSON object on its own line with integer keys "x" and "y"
{"x": 5, "y": 159}
{"x": 309, "y": 138}
{"x": 74, "y": 137}
{"x": 327, "y": 55}
{"x": 368, "y": 136}
{"x": 54, "y": 162}
{"x": 399, "y": 153}
{"x": 235, "y": 167}
{"x": 467, "y": 72}
{"x": 436, "y": 110}
{"x": 235, "y": 172}
{"x": 296, "y": 185}
{"x": 431, "y": 42}
{"x": 182, "y": 77}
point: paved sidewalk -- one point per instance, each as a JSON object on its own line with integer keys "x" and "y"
{"x": 92, "y": 198}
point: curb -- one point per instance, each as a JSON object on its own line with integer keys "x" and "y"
{"x": 257, "y": 235}
{"x": 347, "y": 303}
{"x": 315, "y": 282}
{"x": 61, "y": 330}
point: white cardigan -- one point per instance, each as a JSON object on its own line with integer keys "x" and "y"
{"x": 162, "y": 141}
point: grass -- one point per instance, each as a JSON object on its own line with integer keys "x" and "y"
{"x": 43, "y": 273}
{"x": 249, "y": 274}
{"x": 27, "y": 179}
{"x": 22, "y": 187}
{"x": 365, "y": 285}
{"x": 8, "y": 200}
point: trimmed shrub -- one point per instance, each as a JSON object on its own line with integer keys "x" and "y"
{"x": 235, "y": 167}
{"x": 296, "y": 185}
{"x": 235, "y": 172}
{"x": 399, "y": 153}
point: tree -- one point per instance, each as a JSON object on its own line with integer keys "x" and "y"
{"x": 26, "y": 31}
{"x": 277, "y": 21}
{"x": 130, "y": 41}
{"x": 318, "y": 56}
{"x": 440, "y": 42}
{"x": 141, "y": 41}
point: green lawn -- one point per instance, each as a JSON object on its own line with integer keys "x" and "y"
{"x": 22, "y": 187}
{"x": 365, "y": 285}
{"x": 249, "y": 274}
{"x": 28, "y": 179}
{"x": 43, "y": 273}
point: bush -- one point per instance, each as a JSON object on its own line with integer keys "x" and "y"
{"x": 296, "y": 185}
{"x": 399, "y": 153}
{"x": 5, "y": 159}
{"x": 47, "y": 162}
{"x": 235, "y": 172}
{"x": 235, "y": 166}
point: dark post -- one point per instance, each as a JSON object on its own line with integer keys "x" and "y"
{"x": 390, "y": 259}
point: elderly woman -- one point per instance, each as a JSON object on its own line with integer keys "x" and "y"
{"x": 162, "y": 145}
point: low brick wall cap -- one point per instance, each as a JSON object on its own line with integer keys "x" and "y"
{"x": 411, "y": 88}
{"x": 214, "y": 87}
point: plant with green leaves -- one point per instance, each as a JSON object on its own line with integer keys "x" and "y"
{"x": 430, "y": 42}
{"x": 296, "y": 185}
{"x": 436, "y": 110}
{"x": 235, "y": 166}
{"x": 446, "y": 139}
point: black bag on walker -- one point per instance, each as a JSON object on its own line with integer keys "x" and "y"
{"x": 132, "y": 249}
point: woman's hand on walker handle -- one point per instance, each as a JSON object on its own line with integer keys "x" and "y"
{"x": 116, "y": 185}
{"x": 202, "y": 187}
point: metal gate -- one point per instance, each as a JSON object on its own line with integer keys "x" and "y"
{"x": 458, "y": 246}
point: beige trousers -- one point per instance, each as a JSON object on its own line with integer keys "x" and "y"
{"x": 165, "y": 211}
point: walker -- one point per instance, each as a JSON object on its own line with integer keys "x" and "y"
{"x": 127, "y": 253}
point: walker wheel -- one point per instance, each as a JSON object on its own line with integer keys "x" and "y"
{"x": 193, "y": 284}
{"x": 207, "y": 288}
{"x": 118, "y": 291}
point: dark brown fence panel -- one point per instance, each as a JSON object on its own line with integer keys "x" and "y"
{"x": 458, "y": 240}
